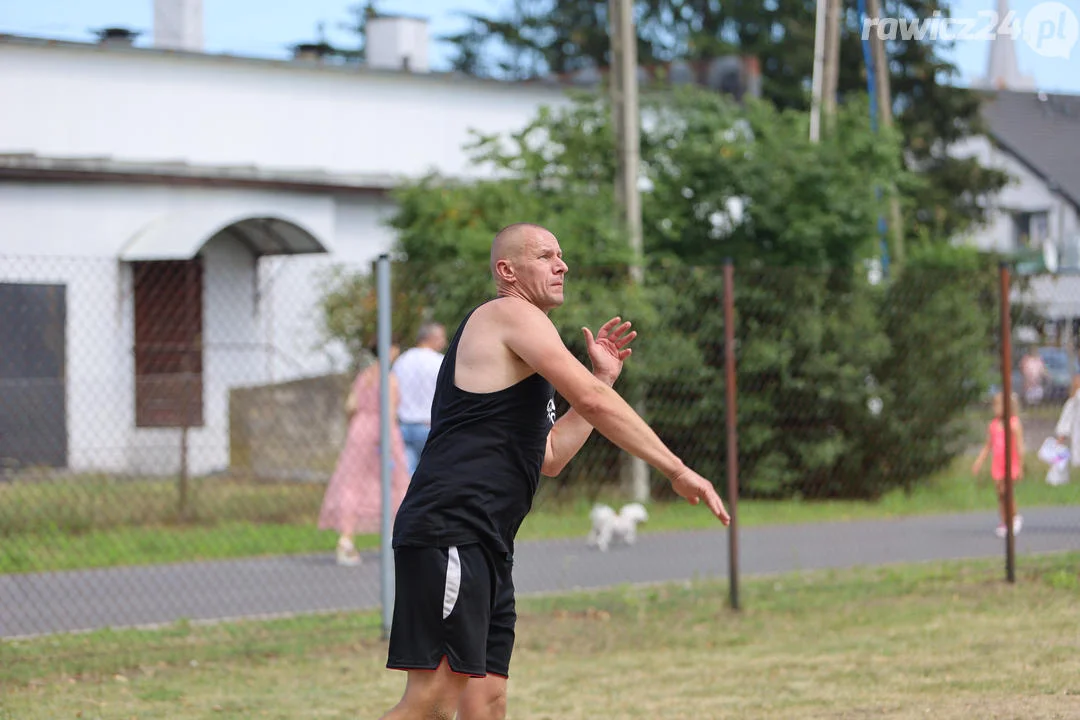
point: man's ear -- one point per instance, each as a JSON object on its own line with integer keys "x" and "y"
{"x": 504, "y": 270}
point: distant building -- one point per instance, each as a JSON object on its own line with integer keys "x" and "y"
{"x": 1033, "y": 136}
{"x": 168, "y": 216}
{"x": 1002, "y": 68}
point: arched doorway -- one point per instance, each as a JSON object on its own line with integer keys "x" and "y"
{"x": 194, "y": 290}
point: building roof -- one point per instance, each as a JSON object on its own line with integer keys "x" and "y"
{"x": 549, "y": 84}
{"x": 718, "y": 73}
{"x": 1042, "y": 131}
{"x": 30, "y": 166}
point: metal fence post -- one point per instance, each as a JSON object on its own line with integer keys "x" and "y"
{"x": 382, "y": 280}
{"x": 732, "y": 435}
{"x": 1006, "y": 384}
{"x": 184, "y": 480}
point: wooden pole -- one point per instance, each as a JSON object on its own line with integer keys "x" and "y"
{"x": 884, "y": 105}
{"x": 831, "y": 74}
{"x": 625, "y": 107}
{"x": 625, "y": 117}
{"x": 819, "y": 61}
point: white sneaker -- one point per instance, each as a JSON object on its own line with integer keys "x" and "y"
{"x": 347, "y": 555}
{"x": 1018, "y": 522}
{"x": 1001, "y": 531}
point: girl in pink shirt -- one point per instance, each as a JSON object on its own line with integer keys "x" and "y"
{"x": 995, "y": 447}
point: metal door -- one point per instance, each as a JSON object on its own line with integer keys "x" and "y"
{"x": 33, "y": 404}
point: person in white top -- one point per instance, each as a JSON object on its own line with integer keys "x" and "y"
{"x": 1068, "y": 424}
{"x": 416, "y": 371}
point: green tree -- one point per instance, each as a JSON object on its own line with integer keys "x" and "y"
{"x": 350, "y": 311}
{"x": 941, "y": 318}
{"x": 531, "y": 38}
{"x": 537, "y": 37}
{"x": 747, "y": 184}
{"x": 815, "y": 346}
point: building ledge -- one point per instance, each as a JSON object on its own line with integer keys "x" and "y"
{"x": 37, "y": 168}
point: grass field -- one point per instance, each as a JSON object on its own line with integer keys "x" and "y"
{"x": 942, "y": 640}
{"x": 103, "y": 522}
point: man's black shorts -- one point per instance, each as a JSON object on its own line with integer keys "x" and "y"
{"x": 456, "y": 602}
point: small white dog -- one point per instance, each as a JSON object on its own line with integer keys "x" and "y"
{"x": 609, "y": 526}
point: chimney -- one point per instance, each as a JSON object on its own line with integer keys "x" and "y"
{"x": 178, "y": 25}
{"x": 116, "y": 36}
{"x": 397, "y": 42}
{"x": 310, "y": 52}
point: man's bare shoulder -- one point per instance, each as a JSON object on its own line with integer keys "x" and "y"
{"x": 487, "y": 325}
{"x": 507, "y": 313}
{"x": 486, "y": 360}
{"x": 514, "y": 311}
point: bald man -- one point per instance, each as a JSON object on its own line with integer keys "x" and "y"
{"x": 493, "y": 434}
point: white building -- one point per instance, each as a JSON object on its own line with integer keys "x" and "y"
{"x": 1035, "y": 138}
{"x": 165, "y": 216}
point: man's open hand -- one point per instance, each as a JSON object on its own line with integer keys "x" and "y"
{"x": 609, "y": 348}
{"x": 688, "y": 484}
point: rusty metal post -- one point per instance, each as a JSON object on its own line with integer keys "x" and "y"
{"x": 1006, "y": 385}
{"x": 732, "y": 435}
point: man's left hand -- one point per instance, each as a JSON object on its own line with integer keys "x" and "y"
{"x": 609, "y": 348}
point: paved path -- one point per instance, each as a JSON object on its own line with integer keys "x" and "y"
{"x": 68, "y": 601}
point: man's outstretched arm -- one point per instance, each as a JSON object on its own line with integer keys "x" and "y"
{"x": 530, "y": 335}
{"x": 607, "y": 352}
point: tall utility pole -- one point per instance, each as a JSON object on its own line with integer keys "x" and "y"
{"x": 883, "y": 93}
{"x": 819, "y": 62}
{"x": 831, "y": 73}
{"x": 625, "y": 119}
{"x": 625, "y": 112}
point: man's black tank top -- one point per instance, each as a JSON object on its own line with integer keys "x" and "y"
{"x": 480, "y": 468}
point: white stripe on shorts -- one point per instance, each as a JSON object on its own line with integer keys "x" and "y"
{"x": 453, "y": 582}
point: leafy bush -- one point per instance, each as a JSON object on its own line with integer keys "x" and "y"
{"x": 940, "y": 315}
{"x": 846, "y": 388}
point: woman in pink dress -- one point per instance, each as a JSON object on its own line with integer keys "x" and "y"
{"x": 353, "y": 500}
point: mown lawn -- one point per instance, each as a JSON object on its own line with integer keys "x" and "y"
{"x": 941, "y": 640}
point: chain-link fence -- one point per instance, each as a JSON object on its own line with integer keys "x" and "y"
{"x": 170, "y": 429}
{"x": 1043, "y": 316}
{"x": 160, "y": 413}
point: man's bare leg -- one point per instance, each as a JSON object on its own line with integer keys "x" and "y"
{"x": 483, "y": 699}
{"x": 429, "y": 695}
